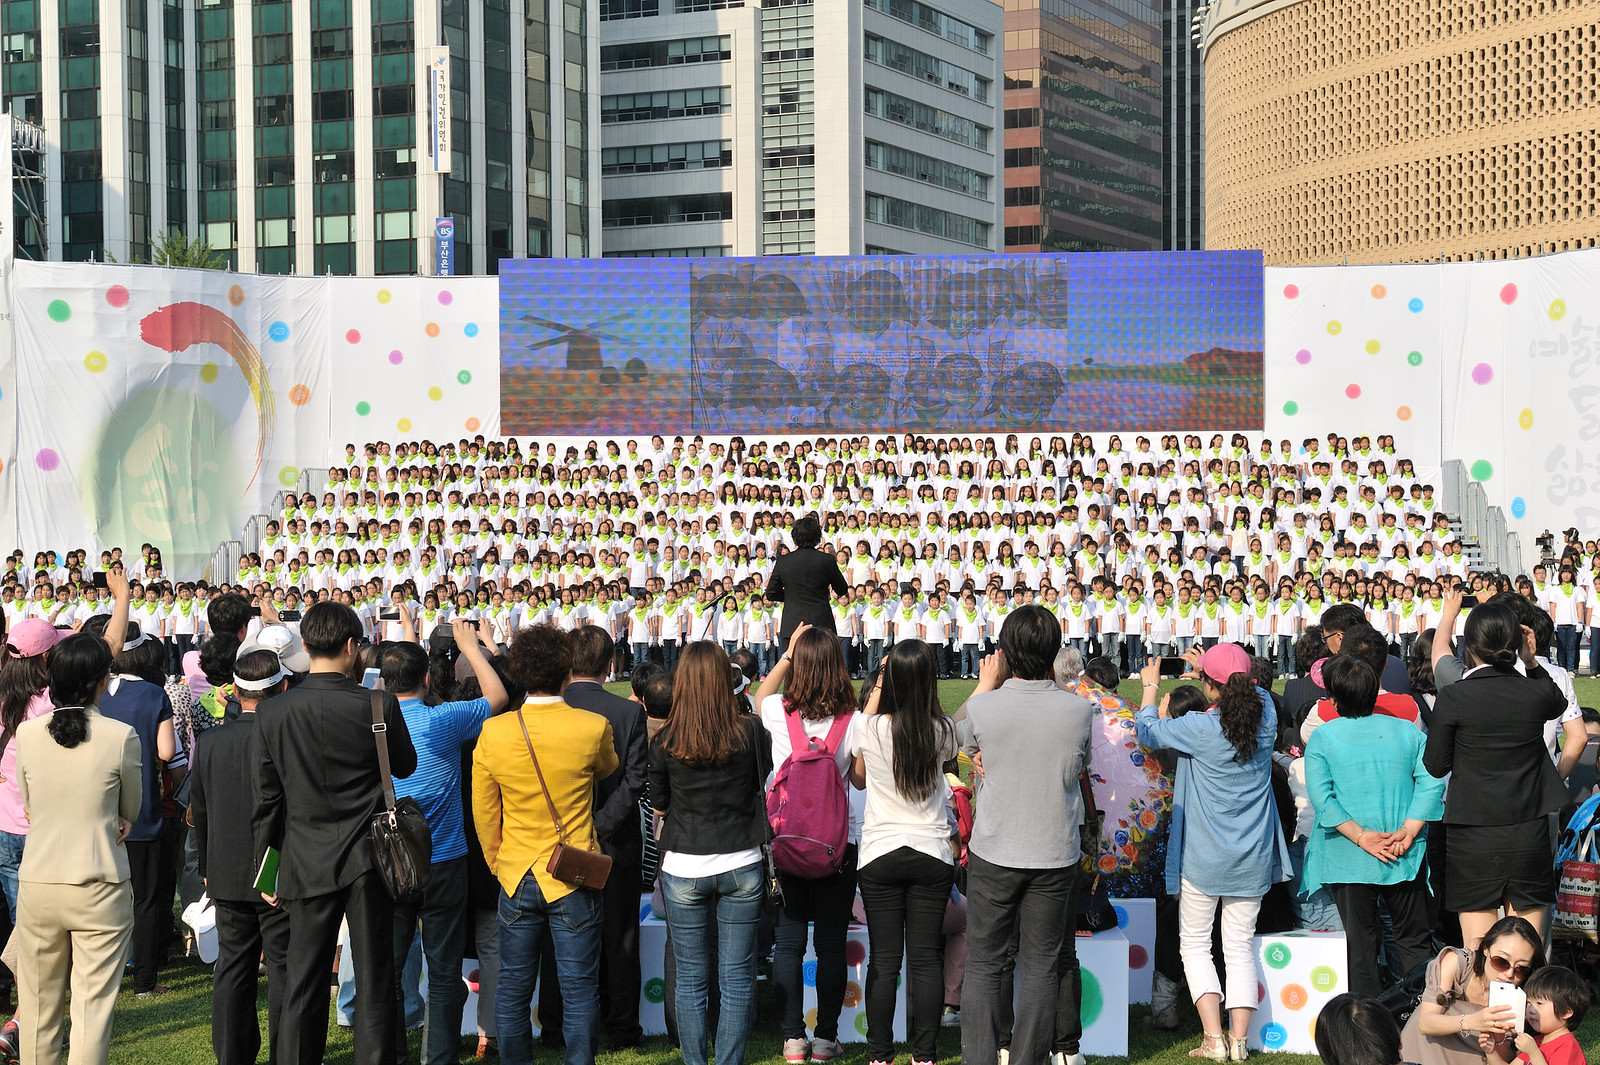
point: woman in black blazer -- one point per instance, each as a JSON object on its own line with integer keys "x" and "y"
{"x": 1488, "y": 734}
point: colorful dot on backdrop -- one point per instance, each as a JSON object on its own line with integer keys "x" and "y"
{"x": 473, "y": 425}
{"x": 1558, "y": 310}
{"x": 1403, "y": 413}
{"x": 1378, "y": 292}
{"x": 117, "y": 296}
{"x": 354, "y": 336}
{"x": 1261, "y": 992}
{"x": 1372, "y": 347}
{"x": 855, "y": 952}
{"x": 1302, "y": 356}
{"x": 1519, "y": 507}
{"x": 1278, "y": 956}
{"x": 1294, "y": 997}
{"x": 288, "y": 476}
{"x": 1291, "y": 291}
{"x": 208, "y": 372}
{"x": 1482, "y": 373}
{"x": 1482, "y": 470}
{"x": 404, "y": 425}
{"x": 1324, "y": 979}
{"x": 396, "y": 358}
{"x": 852, "y": 995}
{"x": 435, "y": 393}
{"x": 655, "y": 990}
{"x": 1274, "y": 1036}
{"x": 470, "y": 329}
{"x": 1291, "y": 408}
{"x": 808, "y": 974}
{"x": 47, "y": 459}
{"x": 1352, "y": 391}
{"x": 1508, "y": 295}
{"x": 445, "y": 298}
{"x": 1093, "y": 1000}
{"x": 383, "y": 295}
{"x": 1334, "y": 328}
{"x": 465, "y": 377}
{"x": 432, "y": 329}
{"x": 1137, "y": 956}
{"x": 1415, "y": 358}
{"x": 363, "y": 408}
{"x": 861, "y": 1022}
{"x": 95, "y": 362}
{"x": 1414, "y": 306}
{"x": 58, "y": 310}
{"x": 235, "y": 295}
{"x": 1525, "y": 419}
{"x": 278, "y": 331}
{"x": 300, "y": 395}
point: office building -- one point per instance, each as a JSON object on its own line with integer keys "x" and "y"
{"x": 1361, "y": 131}
{"x": 1083, "y": 125}
{"x": 293, "y": 136}
{"x": 828, "y": 127}
{"x": 1183, "y": 118}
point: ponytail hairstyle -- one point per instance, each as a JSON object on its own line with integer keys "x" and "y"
{"x": 1493, "y": 637}
{"x": 79, "y": 664}
{"x": 920, "y": 733}
{"x": 1239, "y": 710}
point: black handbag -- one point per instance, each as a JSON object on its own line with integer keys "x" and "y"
{"x": 1094, "y": 910}
{"x": 402, "y": 843}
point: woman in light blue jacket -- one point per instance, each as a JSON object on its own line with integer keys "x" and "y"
{"x": 1226, "y": 845}
{"x": 1373, "y": 799}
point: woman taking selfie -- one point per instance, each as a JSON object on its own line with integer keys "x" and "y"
{"x": 1453, "y": 1018}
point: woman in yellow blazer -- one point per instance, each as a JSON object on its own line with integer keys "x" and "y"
{"x": 78, "y": 773}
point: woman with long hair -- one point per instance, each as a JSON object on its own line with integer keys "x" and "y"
{"x": 79, "y": 777}
{"x": 1488, "y": 730}
{"x": 1453, "y": 1019}
{"x": 907, "y": 861}
{"x": 708, "y": 766}
{"x": 1226, "y": 846}
{"x": 816, "y": 694}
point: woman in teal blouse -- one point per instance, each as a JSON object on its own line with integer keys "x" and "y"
{"x": 1373, "y": 799}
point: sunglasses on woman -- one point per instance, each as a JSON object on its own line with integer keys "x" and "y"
{"x": 1516, "y": 970}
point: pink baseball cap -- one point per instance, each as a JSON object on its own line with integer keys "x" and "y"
{"x": 1223, "y": 661}
{"x": 32, "y": 637}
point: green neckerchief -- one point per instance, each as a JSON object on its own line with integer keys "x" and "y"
{"x": 1211, "y": 610}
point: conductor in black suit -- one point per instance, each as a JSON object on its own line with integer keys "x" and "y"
{"x": 616, "y": 822}
{"x": 319, "y": 787}
{"x": 802, "y": 579}
{"x": 221, "y": 805}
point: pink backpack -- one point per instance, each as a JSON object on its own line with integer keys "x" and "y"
{"x": 808, "y": 806}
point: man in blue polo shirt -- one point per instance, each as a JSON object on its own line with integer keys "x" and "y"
{"x": 438, "y": 733}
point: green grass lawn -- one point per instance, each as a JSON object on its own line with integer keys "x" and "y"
{"x": 175, "y": 1028}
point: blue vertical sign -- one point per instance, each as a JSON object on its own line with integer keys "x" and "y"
{"x": 444, "y": 247}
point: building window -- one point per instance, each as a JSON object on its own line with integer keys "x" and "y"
{"x": 667, "y": 210}
{"x": 925, "y": 67}
{"x": 647, "y": 54}
{"x": 890, "y": 211}
{"x": 660, "y": 158}
{"x": 887, "y": 105}
{"x": 706, "y": 251}
{"x": 1022, "y": 236}
{"x": 919, "y": 167}
{"x": 619, "y": 9}
{"x": 678, "y": 103}
{"x": 684, "y": 6}
{"x": 920, "y": 15}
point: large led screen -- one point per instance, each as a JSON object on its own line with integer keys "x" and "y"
{"x": 1138, "y": 340}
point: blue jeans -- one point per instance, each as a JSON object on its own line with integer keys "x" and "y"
{"x": 1182, "y": 644}
{"x": 971, "y": 655}
{"x": 874, "y": 654}
{"x": 641, "y": 654}
{"x": 727, "y": 908}
{"x": 1111, "y": 647}
{"x": 1135, "y": 644}
{"x": 10, "y": 861}
{"x": 1080, "y": 644}
{"x": 763, "y": 655}
{"x": 730, "y": 646}
{"x": 1567, "y": 647}
{"x": 443, "y": 917}
{"x": 1286, "y": 661}
{"x": 573, "y": 924}
{"x": 1263, "y": 645}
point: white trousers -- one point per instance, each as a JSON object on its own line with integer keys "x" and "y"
{"x": 1196, "y": 914}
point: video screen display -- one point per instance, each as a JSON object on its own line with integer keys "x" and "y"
{"x": 979, "y": 343}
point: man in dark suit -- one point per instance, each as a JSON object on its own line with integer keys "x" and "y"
{"x": 802, "y": 579}
{"x": 222, "y": 797}
{"x": 319, "y": 787}
{"x": 616, "y": 822}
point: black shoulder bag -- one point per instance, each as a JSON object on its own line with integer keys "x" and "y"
{"x": 401, "y": 841}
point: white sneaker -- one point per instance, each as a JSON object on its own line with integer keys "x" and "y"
{"x": 1060, "y": 1058}
{"x": 1005, "y": 1056}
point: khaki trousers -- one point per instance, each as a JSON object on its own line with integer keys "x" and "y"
{"x": 78, "y": 931}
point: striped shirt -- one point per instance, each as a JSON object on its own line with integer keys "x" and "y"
{"x": 439, "y": 733}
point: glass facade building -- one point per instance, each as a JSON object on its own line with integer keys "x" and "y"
{"x": 1083, "y": 125}
{"x": 292, "y": 134}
